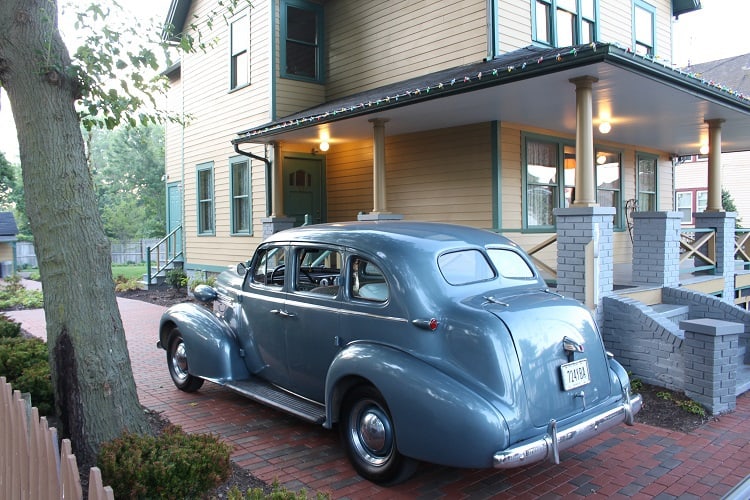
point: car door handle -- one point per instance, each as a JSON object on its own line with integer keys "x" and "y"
{"x": 281, "y": 312}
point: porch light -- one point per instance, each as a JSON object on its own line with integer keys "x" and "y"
{"x": 601, "y": 159}
{"x": 324, "y": 146}
{"x": 605, "y": 127}
{"x": 704, "y": 149}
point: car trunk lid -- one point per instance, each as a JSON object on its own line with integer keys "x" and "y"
{"x": 559, "y": 351}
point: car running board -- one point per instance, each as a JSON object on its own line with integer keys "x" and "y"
{"x": 272, "y": 396}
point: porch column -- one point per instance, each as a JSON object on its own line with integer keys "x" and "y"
{"x": 585, "y": 256}
{"x": 277, "y": 220}
{"x": 714, "y": 165}
{"x": 723, "y": 223}
{"x": 585, "y": 192}
{"x": 379, "y": 211}
{"x": 656, "y": 248}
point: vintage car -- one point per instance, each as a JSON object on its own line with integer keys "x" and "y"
{"x": 419, "y": 341}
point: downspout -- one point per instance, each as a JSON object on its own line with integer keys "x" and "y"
{"x": 268, "y": 173}
{"x": 493, "y": 36}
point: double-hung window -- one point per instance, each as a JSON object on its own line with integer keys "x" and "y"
{"x": 302, "y": 40}
{"x": 239, "y": 57}
{"x": 646, "y": 182}
{"x": 241, "y": 203}
{"x": 205, "y": 197}
{"x": 644, "y": 28}
{"x": 550, "y": 170}
{"x": 560, "y": 23}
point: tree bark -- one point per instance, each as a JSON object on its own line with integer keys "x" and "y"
{"x": 95, "y": 392}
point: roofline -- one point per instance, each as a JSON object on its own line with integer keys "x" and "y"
{"x": 499, "y": 71}
{"x": 174, "y": 24}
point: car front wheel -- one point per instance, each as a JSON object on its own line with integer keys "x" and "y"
{"x": 177, "y": 361}
{"x": 369, "y": 437}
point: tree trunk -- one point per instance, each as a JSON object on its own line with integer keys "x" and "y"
{"x": 95, "y": 391}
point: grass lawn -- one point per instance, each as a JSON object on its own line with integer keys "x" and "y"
{"x": 130, "y": 271}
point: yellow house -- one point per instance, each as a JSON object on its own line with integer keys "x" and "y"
{"x": 484, "y": 113}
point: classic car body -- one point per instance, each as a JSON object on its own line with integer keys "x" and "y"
{"x": 420, "y": 341}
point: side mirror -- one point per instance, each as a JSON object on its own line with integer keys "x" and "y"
{"x": 241, "y": 269}
{"x": 204, "y": 293}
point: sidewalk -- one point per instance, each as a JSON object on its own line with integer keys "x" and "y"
{"x": 627, "y": 462}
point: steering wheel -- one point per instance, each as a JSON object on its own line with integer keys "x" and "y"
{"x": 307, "y": 275}
{"x": 276, "y": 270}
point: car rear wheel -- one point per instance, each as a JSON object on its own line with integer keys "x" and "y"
{"x": 177, "y": 361}
{"x": 369, "y": 437}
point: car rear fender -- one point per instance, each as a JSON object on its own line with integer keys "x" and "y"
{"x": 436, "y": 418}
{"x": 213, "y": 351}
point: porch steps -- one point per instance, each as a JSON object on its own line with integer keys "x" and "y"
{"x": 672, "y": 312}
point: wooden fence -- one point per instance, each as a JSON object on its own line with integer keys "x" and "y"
{"x": 123, "y": 252}
{"x": 33, "y": 464}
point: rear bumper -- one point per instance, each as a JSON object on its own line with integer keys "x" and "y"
{"x": 549, "y": 446}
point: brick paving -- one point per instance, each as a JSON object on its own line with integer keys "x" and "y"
{"x": 627, "y": 462}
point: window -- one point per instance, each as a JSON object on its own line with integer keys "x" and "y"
{"x": 548, "y": 186}
{"x": 646, "y": 178}
{"x": 366, "y": 281}
{"x": 464, "y": 267}
{"x": 561, "y": 23}
{"x": 644, "y": 28}
{"x": 318, "y": 271}
{"x": 608, "y": 184}
{"x": 241, "y": 203}
{"x": 269, "y": 267}
{"x": 301, "y": 36}
{"x": 205, "y": 196}
{"x": 684, "y": 202}
{"x": 239, "y": 65}
{"x": 701, "y": 201}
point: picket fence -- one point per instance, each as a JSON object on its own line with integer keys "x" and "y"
{"x": 33, "y": 465}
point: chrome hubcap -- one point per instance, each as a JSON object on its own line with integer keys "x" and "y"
{"x": 371, "y": 433}
{"x": 179, "y": 362}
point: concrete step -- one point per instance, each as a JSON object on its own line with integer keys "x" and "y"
{"x": 672, "y": 312}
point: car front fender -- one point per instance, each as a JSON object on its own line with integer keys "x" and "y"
{"x": 212, "y": 348}
{"x": 436, "y": 418}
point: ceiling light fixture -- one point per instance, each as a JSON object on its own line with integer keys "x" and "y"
{"x": 605, "y": 127}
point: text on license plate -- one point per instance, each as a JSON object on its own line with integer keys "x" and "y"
{"x": 575, "y": 374}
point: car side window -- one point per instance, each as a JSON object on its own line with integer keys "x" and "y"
{"x": 270, "y": 268}
{"x": 318, "y": 270}
{"x": 367, "y": 281}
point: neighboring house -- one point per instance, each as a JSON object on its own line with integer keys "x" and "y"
{"x": 691, "y": 172}
{"x": 488, "y": 114}
{"x": 8, "y": 238}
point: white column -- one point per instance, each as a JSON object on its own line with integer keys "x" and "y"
{"x": 585, "y": 193}
{"x": 714, "y": 166}
{"x": 378, "y": 165}
{"x": 277, "y": 184}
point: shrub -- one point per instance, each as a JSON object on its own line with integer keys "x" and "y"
{"x": 9, "y": 328}
{"x": 25, "y": 365}
{"x": 123, "y": 284}
{"x": 14, "y": 295}
{"x": 172, "y": 465}
{"x": 199, "y": 280}
{"x": 176, "y": 278}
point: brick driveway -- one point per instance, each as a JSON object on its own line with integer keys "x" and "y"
{"x": 627, "y": 462}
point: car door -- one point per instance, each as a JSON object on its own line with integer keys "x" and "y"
{"x": 265, "y": 315}
{"x": 312, "y": 327}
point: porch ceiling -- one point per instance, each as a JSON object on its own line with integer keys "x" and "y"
{"x": 650, "y": 105}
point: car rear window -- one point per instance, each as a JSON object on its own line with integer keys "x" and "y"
{"x": 510, "y": 264}
{"x": 465, "y": 266}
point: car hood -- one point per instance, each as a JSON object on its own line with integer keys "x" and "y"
{"x": 539, "y": 323}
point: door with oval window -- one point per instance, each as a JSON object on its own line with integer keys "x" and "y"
{"x": 304, "y": 189}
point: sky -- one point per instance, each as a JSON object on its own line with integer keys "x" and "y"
{"x": 717, "y": 31}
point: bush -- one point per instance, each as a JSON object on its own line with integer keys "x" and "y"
{"x": 172, "y": 465}
{"x": 9, "y": 328}
{"x": 123, "y": 284}
{"x": 14, "y": 295}
{"x": 176, "y": 278}
{"x": 25, "y": 365}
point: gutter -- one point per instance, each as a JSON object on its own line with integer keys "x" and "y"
{"x": 267, "y": 162}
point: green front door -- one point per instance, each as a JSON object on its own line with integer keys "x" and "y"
{"x": 303, "y": 189}
{"x": 174, "y": 217}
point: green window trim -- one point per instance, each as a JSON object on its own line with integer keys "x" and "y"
{"x": 299, "y": 43}
{"x": 550, "y": 185}
{"x": 241, "y": 200}
{"x": 644, "y": 28}
{"x": 560, "y": 23}
{"x": 204, "y": 198}
{"x": 239, "y": 51}
{"x": 647, "y": 182}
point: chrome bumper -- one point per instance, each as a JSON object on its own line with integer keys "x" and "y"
{"x": 556, "y": 440}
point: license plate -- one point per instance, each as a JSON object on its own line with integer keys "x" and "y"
{"x": 575, "y": 374}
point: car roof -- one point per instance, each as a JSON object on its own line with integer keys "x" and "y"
{"x": 393, "y": 235}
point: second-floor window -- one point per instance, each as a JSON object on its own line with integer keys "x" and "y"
{"x": 561, "y": 23}
{"x": 239, "y": 60}
{"x": 644, "y": 28}
{"x": 241, "y": 203}
{"x": 205, "y": 195}
{"x": 302, "y": 40}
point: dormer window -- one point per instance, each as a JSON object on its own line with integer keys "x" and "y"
{"x": 302, "y": 40}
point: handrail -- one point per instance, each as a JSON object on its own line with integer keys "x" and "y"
{"x": 701, "y": 249}
{"x": 171, "y": 242}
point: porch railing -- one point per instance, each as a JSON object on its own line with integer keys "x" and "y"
{"x": 742, "y": 246}
{"x": 698, "y": 244}
{"x": 164, "y": 253}
{"x": 538, "y": 248}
